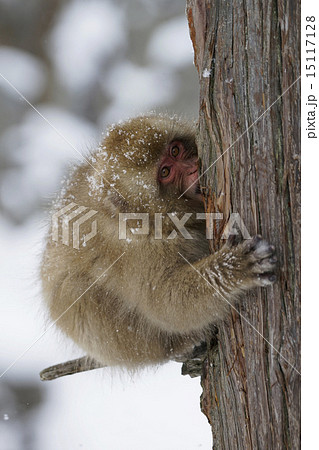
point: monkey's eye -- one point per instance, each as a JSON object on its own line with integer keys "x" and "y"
{"x": 175, "y": 151}
{"x": 165, "y": 171}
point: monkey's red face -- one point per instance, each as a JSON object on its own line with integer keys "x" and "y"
{"x": 179, "y": 168}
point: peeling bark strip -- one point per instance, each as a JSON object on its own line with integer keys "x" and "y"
{"x": 247, "y": 56}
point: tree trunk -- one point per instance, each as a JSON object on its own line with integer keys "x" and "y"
{"x": 247, "y": 57}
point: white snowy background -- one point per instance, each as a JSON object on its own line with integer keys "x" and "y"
{"x": 82, "y": 64}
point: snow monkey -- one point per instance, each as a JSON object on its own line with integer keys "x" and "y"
{"x": 133, "y": 294}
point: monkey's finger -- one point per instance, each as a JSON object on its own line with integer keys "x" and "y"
{"x": 251, "y": 244}
{"x": 266, "y": 279}
{"x": 265, "y": 265}
{"x": 259, "y": 249}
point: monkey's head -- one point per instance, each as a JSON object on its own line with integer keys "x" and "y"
{"x": 152, "y": 159}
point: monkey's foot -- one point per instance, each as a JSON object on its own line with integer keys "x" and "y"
{"x": 193, "y": 363}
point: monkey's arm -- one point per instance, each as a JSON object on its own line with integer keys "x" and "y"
{"x": 192, "y": 296}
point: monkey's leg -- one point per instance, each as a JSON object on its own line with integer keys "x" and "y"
{"x": 69, "y": 368}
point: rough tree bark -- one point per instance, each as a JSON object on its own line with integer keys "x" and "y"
{"x": 247, "y": 57}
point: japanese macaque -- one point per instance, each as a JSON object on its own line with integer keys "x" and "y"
{"x": 141, "y": 298}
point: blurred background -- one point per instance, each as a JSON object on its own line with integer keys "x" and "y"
{"x": 68, "y": 69}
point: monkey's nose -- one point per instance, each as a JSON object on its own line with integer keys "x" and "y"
{"x": 191, "y": 166}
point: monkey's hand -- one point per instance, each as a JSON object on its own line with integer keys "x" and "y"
{"x": 253, "y": 261}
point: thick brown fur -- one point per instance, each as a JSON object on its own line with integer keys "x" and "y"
{"x": 150, "y": 305}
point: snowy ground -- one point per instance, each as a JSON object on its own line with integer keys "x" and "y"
{"x": 158, "y": 409}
